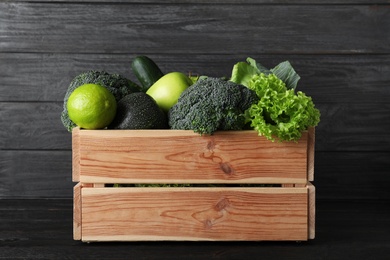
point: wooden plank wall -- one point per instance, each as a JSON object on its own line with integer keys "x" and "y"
{"x": 341, "y": 49}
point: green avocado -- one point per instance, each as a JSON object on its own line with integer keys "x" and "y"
{"x": 139, "y": 111}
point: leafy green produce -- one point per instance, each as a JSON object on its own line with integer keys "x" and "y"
{"x": 212, "y": 104}
{"x": 287, "y": 74}
{"x": 243, "y": 72}
{"x": 118, "y": 85}
{"x": 280, "y": 112}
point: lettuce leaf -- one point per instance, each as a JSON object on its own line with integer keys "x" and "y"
{"x": 287, "y": 74}
{"x": 243, "y": 71}
{"x": 280, "y": 113}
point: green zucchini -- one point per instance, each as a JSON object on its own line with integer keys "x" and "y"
{"x": 146, "y": 71}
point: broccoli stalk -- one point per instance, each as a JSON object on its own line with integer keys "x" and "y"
{"x": 118, "y": 85}
{"x": 212, "y": 104}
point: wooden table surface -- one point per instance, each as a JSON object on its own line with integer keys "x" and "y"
{"x": 345, "y": 229}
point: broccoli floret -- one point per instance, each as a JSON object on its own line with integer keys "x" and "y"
{"x": 118, "y": 85}
{"x": 212, "y": 104}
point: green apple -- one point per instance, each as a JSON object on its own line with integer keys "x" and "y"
{"x": 167, "y": 90}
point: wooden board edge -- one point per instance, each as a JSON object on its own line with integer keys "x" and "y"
{"x": 76, "y": 154}
{"x": 311, "y": 210}
{"x": 84, "y": 178}
{"x": 310, "y": 153}
{"x": 77, "y": 211}
{"x": 113, "y": 193}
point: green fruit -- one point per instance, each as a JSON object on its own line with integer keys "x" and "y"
{"x": 167, "y": 90}
{"x": 139, "y": 111}
{"x": 91, "y": 106}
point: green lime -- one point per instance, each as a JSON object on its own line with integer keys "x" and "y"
{"x": 91, "y": 106}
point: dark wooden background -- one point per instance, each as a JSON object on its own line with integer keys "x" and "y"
{"x": 341, "y": 49}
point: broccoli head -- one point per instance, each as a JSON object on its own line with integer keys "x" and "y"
{"x": 118, "y": 85}
{"x": 212, "y": 104}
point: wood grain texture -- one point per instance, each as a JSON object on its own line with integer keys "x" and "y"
{"x": 241, "y": 2}
{"x": 312, "y": 210}
{"x": 77, "y": 211}
{"x": 42, "y": 229}
{"x": 338, "y": 175}
{"x": 38, "y": 173}
{"x": 76, "y": 155}
{"x": 332, "y": 79}
{"x": 160, "y": 28}
{"x": 352, "y": 127}
{"x": 112, "y": 214}
{"x": 340, "y": 49}
{"x": 180, "y": 156}
{"x": 352, "y": 175}
{"x": 30, "y": 126}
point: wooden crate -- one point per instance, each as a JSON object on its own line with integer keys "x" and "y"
{"x": 227, "y": 199}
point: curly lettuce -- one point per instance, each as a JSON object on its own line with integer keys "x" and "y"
{"x": 280, "y": 113}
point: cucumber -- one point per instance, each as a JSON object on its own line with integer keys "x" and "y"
{"x": 146, "y": 71}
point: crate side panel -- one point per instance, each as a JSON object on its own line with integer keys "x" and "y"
{"x": 77, "y": 212}
{"x": 312, "y": 210}
{"x": 136, "y": 214}
{"x": 76, "y": 154}
{"x": 182, "y": 156}
{"x": 311, "y": 134}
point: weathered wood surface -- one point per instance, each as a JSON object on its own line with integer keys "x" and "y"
{"x": 326, "y": 78}
{"x": 241, "y": 2}
{"x": 35, "y": 173}
{"x": 338, "y": 175}
{"x": 42, "y": 229}
{"x": 195, "y": 28}
{"x": 340, "y": 48}
{"x": 352, "y": 126}
{"x": 194, "y": 214}
{"x": 177, "y": 156}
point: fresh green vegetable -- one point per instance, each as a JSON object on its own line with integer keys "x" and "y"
{"x": 280, "y": 112}
{"x": 212, "y": 104}
{"x": 243, "y": 72}
{"x": 146, "y": 71}
{"x": 138, "y": 111}
{"x": 167, "y": 90}
{"x": 118, "y": 85}
{"x": 287, "y": 74}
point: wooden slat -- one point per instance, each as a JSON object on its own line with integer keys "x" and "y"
{"x": 47, "y": 174}
{"x": 327, "y": 79}
{"x": 30, "y": 126}
{"x": 75, "y": 154}
{"x": 38, "y": 229}
{"x": 151, "y": 28}
{"x": 312, "y": 210}
{"x": 111, "y": 214}
{"x": 352, "y": 127}
{"x": 352, "y": 175}
{"x": 275, "y": 2}
{"x": 35, "y": 174}
{"x": 77, "y": 218}
{"x": 310, "y": 153}
{"x": 179, "y": 156}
